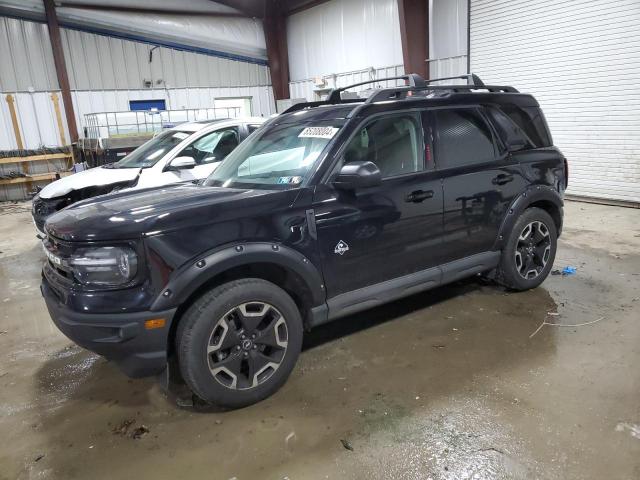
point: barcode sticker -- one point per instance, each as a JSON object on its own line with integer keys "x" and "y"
{"x": 318, "y": 132}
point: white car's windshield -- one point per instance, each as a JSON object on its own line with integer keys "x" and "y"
{"x": 277, "y": 156}
{"x": 148, "y": 154}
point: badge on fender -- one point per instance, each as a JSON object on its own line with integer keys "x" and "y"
{"x": 341, "y": 248}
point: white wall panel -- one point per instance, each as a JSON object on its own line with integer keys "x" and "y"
{"x": 85, "y": 102}
{"x": 36, "y": 121}
{"x": 99, "y": 62}
{"x": 580, "y": 60}
{"x": 306, "y": 88}
{"x": 105, "y": 73}
{"x": 343, "y": 35}
{"x": 447, "y": 38}
{"x": 26, "y": 60}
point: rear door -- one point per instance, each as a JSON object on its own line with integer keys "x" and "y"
{"x": 380, "y": 233}
{"x": 480, "y": 180}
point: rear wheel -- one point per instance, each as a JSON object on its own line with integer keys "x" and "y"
{"x": 529, "y": 252}
{"x": 238, "y": 343}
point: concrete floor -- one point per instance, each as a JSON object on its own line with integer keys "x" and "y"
{"x": 450, "y": 384}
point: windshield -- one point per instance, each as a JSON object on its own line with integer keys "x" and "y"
{"x": 148, "y": 154}
{"x": 276, "y": 156}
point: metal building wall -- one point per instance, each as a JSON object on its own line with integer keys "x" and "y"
{"x": 447, "y": 38}
{"x": 307, "y": 89}
{"x": 343, "y": 36}
{"x": 580, "y": 60}
{"x": 105, "y": 73}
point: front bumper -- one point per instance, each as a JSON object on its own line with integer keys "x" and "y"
{"x": 120, "y": 337}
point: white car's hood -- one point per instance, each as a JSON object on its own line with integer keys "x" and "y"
{"x": 89, "y": 178}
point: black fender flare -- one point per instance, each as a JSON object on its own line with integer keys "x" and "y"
{"x": 533, "y": 194}
{"x": 191, "y": 276}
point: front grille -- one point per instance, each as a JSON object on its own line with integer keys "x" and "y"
{"x": 57, "y": 261}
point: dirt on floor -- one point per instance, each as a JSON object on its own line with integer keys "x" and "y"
{"x": 466, "y": 381}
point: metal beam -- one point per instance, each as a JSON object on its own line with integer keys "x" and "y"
{"x": 414, "y": 34}
{"x": 252, "y": 8}
{"x": 61, "y": 68}
{"x": 275, "y": 35}
{"x": 302, "y": 6}
{"x": 147, "y": 10}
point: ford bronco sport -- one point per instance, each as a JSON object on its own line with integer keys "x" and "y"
{"x": 331, "y": 208}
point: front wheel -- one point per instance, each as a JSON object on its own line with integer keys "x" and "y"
{"x": 529, "y": 252}
{"x": 238, "y": 343}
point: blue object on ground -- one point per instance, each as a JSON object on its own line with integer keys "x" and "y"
{"x": 569, "y": 270}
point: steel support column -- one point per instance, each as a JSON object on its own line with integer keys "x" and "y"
{"x": 275, "y": 34}
{"x": 61, "y": 68}
{"x": 414, "y": 33}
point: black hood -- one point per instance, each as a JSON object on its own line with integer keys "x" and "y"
{"x": 130, "y": 215}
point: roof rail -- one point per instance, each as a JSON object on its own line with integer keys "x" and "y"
{"x": 413, "y": 79}
{"x": 415, "y": 84}
{"x": 471, "y": 78}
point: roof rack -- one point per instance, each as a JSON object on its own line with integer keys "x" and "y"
{"x": 415, "y": 84}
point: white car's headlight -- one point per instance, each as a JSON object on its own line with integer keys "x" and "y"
{"x": 104, "y": 266}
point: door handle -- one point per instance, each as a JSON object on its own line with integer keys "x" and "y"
{"x": 502, "y": 179}
{"x": 419, "y": 196}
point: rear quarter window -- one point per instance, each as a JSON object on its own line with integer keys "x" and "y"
{"x": 532, "y": 122}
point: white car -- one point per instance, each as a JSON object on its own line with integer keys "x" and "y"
{"x": 187, "y": 152}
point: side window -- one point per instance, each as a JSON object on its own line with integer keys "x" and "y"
{"x": 213, "y": 147}
{"x": 393, "y": 143}
{"x": 462, "y": 138}
{"x": 252, "y": 128}
{"x": 511, "y": 134}
{"x": 531, "y": 121}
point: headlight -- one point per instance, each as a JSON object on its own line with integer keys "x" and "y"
{"x": 106, "y": 266}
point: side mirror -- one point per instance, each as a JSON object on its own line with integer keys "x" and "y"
{"x": 354, "y": 175}
{"x": 181, "y": 163}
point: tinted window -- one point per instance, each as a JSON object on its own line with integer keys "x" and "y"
{"x": 393, "y": 143}
{"x": 463, "y": 138}
{"x": 253, "y": 128}
{"x": 532, "y": 122}
{"x": 213, "y": 147}
{"x": 512, "y": 135}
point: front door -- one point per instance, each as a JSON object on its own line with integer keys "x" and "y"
{"x": 480, "y": 181}
{"x": 387, "y": 231}
{"x": 207, "y": 151}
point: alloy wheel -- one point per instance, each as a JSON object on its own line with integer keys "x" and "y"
{"x": 247, "y": 345}
{"x": 533, "y": 249}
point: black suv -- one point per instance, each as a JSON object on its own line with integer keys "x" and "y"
{"x": 330, "y": 208}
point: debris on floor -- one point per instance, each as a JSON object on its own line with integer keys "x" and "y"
{"x": 565, "y": 325}
{"x": 123, "y": 427}
{"x": 346, "y": 444}
{"x": 38, "y": 457}
{"x": 139, "y": 432}
{"x": 569, "y": 270}
{"x": 634, "y": 430}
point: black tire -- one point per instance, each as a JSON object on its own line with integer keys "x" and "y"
{"x": 218, "y": 320}
{"x": 511, "y": 268}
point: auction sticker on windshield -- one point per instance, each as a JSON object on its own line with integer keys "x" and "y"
{"x": 318, "y": 132}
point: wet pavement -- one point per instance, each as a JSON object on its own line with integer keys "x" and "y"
{"x": 455, "y": 383}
